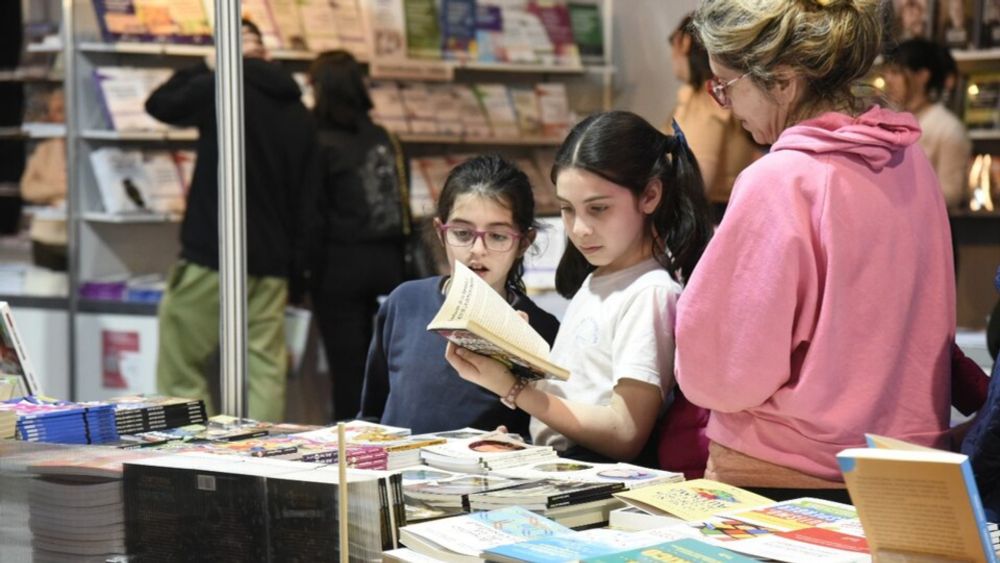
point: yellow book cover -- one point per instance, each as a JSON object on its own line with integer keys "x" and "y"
{"x": 916, "y": 502}
{"x": 693, "y": 500}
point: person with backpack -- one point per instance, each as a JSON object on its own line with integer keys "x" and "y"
{"x": 360, "y": 252}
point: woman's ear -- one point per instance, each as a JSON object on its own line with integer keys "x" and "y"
{"x": 651, "y": 196}
{"x": 437, "y": 230}
{"x": 526, "y": 241}
{"x": 788, "y": 86}
{"x": 684, "y": 42}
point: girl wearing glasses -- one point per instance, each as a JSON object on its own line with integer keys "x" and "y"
{"x": 634, "y": 209}
{"x": 824, "y": 308}
{"x": 485, "y": 220}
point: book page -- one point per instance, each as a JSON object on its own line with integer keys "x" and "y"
{"x": 472, "y": 299}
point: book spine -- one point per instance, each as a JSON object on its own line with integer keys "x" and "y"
{"x": 978, "y": 512}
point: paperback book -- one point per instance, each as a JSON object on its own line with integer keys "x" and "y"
{"x": 486, "y": 453}
{"x": 692, "y": 500}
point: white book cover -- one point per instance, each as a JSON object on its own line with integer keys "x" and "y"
{"x": 449, "y": 119}
{"x": 163, "y": 188}
{"x": 389, "y": 110}
{"x": 14, "y": 356}
{"x": 320, "y": 25}
{"x": 124, "y": 91}
{"x": 499, "y": 108}
{"x": 418, "y": 107}
{"x": 421, "y": 201}
{"x": 481, "y": 453}
{"x": 193, "y": 24}
{"x": 632, "y": 476}
{"x": 553, "y": 109}
{"x": 386, "y": 29}
{"x": 119, "y": 174}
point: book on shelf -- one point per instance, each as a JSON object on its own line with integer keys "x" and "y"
{"x": 423, "y": 32}
{"x": 464, "y": 538}
{"x": 177, "y": 21}
{"x": 475, "y": 124}
{"x": 481, "y": 454}
{"x": 386, "y": 29}
{"x": 349, "y": 19}
{"x": 916, "y": 502}
{"x": 553, "y": 109}
{"x": 446, "y": 112}
{"x": 388, "y": 110}
{"x": 458, "y": 29}
{"x": 982, "y": 101}
{"x": 496, "y": 102}
{"x": 525, "y": 101}
{"x": 419, "y": 108}
{"x": 989, "y": 22}
{"x": 955, "y": 23}
{"x": 123, "y": 94}
{"x": 588, "y": 32}
{"x": 288, "y": 23}
{"x": 554, "y": 16}
{"x": 476, "y": 317}
{"x": 132, "y": 181}
{"x": 912, "y": 19}
{"x": 692, "y": 500}
{"x": 16, "y": 369}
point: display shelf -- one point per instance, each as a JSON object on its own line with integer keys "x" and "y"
{"x": 969, "y": 214}
{"x": 463, "y": 140}
{"x": 179, "y": 50}
{"x": 977, "y": 60}
{"x": 21, "y": 76}
{"x": 35, "y": 301}
{"x": 985, "y": 134}
{"x": 109, "y": 135}
{"x": 129, "y": 219}
{"x": 108, "y": 307}
{"x": 28, "y": 133}
{"x": 50, "y": 47}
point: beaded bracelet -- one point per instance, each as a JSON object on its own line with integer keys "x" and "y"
{"x": 510, "y": 399}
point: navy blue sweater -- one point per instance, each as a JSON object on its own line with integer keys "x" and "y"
{"x": 408, "y": 382}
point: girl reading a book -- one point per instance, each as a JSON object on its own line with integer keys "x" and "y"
{"x": 634, "y": 208}
{"x": 485, "y": 220}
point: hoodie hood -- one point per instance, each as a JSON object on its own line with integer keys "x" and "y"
{"x": 875, "y": 136}
{"x": 270, "y": 79}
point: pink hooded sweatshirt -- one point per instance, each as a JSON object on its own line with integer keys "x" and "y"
{"x": 824, "y": 306}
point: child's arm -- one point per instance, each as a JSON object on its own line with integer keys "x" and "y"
{"x": 619, "y": 430}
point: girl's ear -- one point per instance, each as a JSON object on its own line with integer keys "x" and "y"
{"x": 651, "y": 196}
{"x": 685, "y": 43}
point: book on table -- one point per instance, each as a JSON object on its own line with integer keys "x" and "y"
{"x": 916, "y": 502}
{"x": 692, "y": 500}
{"x": 476, "y": 317}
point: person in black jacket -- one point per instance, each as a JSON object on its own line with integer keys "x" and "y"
{"x": 281, "y": 184}
{"x": 365, "y": 222}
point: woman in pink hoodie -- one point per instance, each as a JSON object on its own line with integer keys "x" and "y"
{"x": 824, "y": 306}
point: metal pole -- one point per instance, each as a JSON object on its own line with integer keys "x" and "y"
{"x": 232, "y": 206}
{"x": 73, "y": 187}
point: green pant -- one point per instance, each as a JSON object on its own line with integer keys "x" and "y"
{"x": 189, "y": 340}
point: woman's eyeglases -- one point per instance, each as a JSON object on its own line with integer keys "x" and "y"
{"x": 720, "y": 90}
{"x": 463, "y": 236}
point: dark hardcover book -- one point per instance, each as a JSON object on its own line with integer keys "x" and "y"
{"x": 303, "y": 520}
{"x": 458, "y": 29}
{"x": 585, "y": 19}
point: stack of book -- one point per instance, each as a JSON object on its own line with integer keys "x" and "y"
{"x": 571, "y": 503}
{"x": 62, "y": 422}
{"x": 454, "y": 492}
{"x": 994, "y": 531}
{"x": 631, "y": 476}
{"x": 372, "y": 446}
{"x": 145, "y": 413}
{"x": 481, "y": 454}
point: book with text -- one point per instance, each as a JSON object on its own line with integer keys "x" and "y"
{"x": 916, "y": 501}
{"x": 476, "y": 317}
{"x": 692, "y": 500}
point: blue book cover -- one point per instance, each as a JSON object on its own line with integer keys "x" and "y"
{"x": 679, "y": 550}
{"x": 458, "y": 29}
{"x": 561, "y": 548}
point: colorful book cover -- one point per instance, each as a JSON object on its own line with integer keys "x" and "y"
{"x": 389, "y": 110}
{"x": 526, "y": 106}
{"x": 679, "y": 551}
{"x": 568, "y": 547}
{"x": 797, "y": 514}
{"x": 489, "y": 32}
{"x": 555, "y": 18}
{"x": 423, "y": 34}
{"x": 119, "y": 21}
{"x": 917, "y": 501}
{"x": 553, "y": 109}
{"x": 496, "y": 102}
{"x": 156, "y": 16}
{"x": 458, "y": 29}
{"x": 386, "y": 29}
{"x": 474, "y": 533}
{"x": 693, "y": 500}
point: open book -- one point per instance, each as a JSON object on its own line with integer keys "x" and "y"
{"x": 476, "y": 317}
{"x": 916, "y": 502}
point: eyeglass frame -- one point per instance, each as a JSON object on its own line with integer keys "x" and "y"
{"x": 718, "y": 89}
{"x": 443, "y": 228}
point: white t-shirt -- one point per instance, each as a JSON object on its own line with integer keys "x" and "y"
{"x": 618, "y": 325}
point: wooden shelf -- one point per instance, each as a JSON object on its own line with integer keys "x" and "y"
{"x": 21, "y": 76}
{"x": 985, "y": 134}
{"x": 463, "y": 140}
{"x": 109, "y": 307}
{"x": 178, "y": 50}
{"x": 182, "y": 135}
{"x": 27, "y": 133}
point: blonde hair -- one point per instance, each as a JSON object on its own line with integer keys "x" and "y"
{"x": 830, "y": 43}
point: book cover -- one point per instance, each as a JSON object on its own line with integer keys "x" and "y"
{"x": 423, "y": 34}
{"x": 288, "y": 23}
{"x": 319, "y": 25}
{"x": 567, "y": 547}
{"x": 419, "y": 108}
{"x": 119, "y": 21}
{"x": 15, "y": 366}
{"x": 119, "y": 174}
{"x": 489, "y": 32}
{"x": 692, "y": 500}
{"x": 554, "y": 16}
{"x": 955, "y": 23}
{"x": 388, "y": 110}
{"x": 544, "y": 494}
{"x": 495, "y": 100}
{"x": 797, "y": 514}
{"x": 912, "y": 18}
{"x": 476, "y": 317}
{"x": 123, "y": 93}
{"x": 479, "y": 454}
{"x": 470, "y": 111}
{"x": 348, "y": 18}
{"x": 588, "y": 33}
{"x": 917, "y": 501}
{"x": 471, "y": 534}
{"x": 631, "y": 476}
{"x": 458, "y": 29}
{"x": 446, "y": 112}
{"x": 525, "y": 100}
{"x": 386, "y": 29}
{"x": 679, "y": 551}
{"x": 553, "y": 109}
{"x": 989, "y": 31}
{"x": 156, "y": 16}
